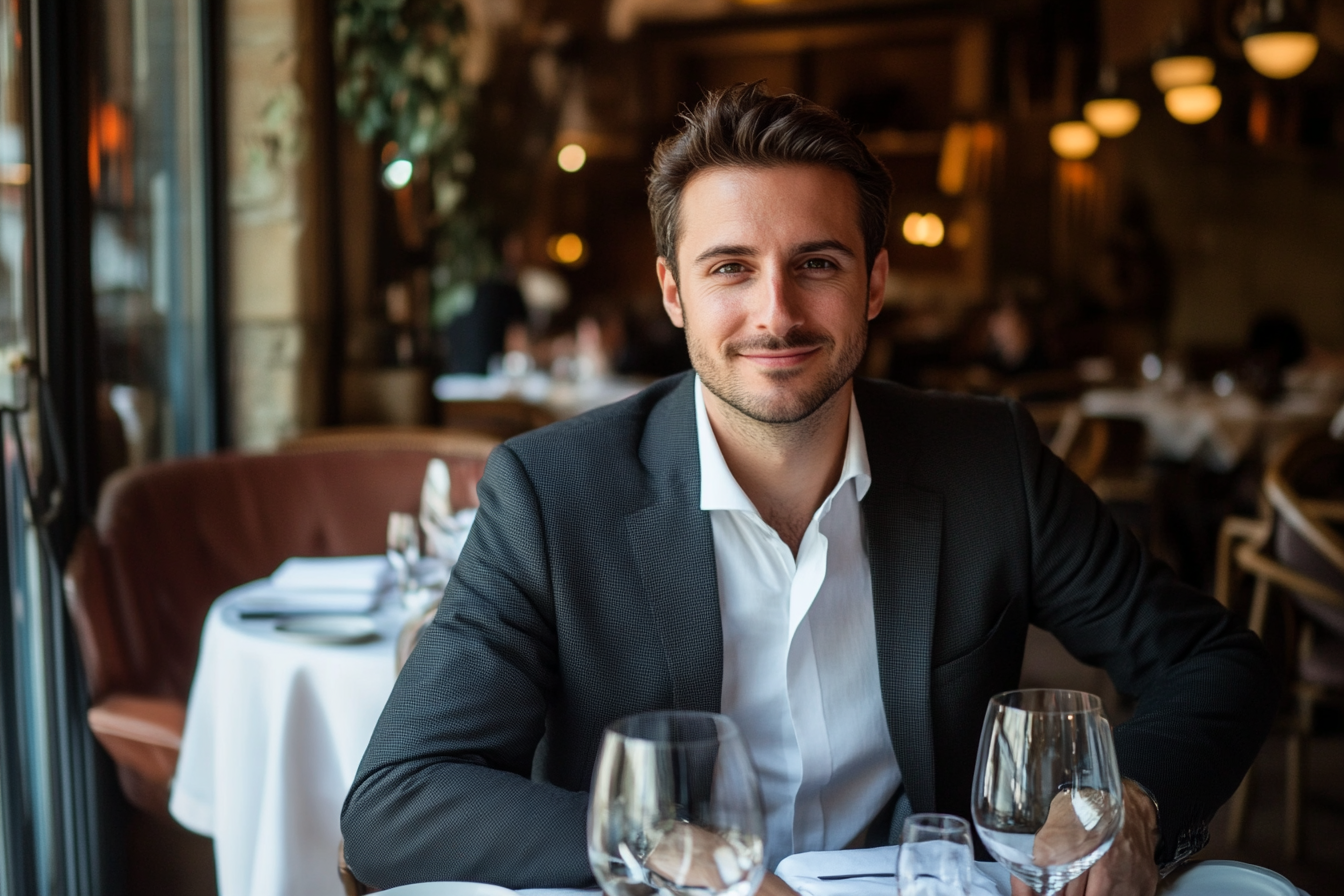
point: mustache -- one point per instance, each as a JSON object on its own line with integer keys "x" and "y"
{"x": 768, "y": 343}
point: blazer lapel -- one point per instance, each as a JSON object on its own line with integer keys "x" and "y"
{"x": 672, "y": 542}
{"x": 904, "y": 528}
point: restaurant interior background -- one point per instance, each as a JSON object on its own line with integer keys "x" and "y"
{"x": 227, "y": 225}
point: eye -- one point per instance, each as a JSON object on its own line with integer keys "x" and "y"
{"x": 732, "y": 267}
{"x": 818, "y": 264}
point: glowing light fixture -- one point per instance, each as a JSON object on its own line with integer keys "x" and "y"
{"x": 1279, "y": 44}
{"x": 1073, "y": 140}
{"x": 1111, "y": 116}
{"x": 1281, "y": 54}
{"x": 1185, "y": 70}
{"x": 397, "y": 173}
{"x": 1195, "y": 103}
{"x": 567, "y": 248}
{"x": 571, "y": 157}
{"x": 923, "y": 230}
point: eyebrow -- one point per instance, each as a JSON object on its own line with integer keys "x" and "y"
{"x": 800, "y": 249}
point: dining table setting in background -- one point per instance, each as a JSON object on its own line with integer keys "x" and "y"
{"x": 293, "y": 673}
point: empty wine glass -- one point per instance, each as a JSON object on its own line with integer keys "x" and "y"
{"x": 676, "y": 807}
{"x": 403, "y": 549}
{"x": 1047, "y": 797}
{"x": 935, "y": 857}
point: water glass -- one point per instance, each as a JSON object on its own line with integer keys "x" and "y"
{"x": 935, "y": 857}
{"x": 1047, "y": 798}
{"x": 675, "y": 807}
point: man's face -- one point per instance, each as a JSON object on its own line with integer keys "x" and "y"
{"x": 772, "y": 288}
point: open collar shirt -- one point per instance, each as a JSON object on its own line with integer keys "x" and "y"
{"x": 800, "y": 675}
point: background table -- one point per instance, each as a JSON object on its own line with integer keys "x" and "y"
{"x": 274, "y": 732}
{"x": 560, "y": 398}
{"x": 1192, "y": 423}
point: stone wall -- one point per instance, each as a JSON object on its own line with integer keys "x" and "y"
{"x": 277, "y": 285}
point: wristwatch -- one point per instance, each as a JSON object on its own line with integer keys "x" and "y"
{"x": 1191, "y": 841}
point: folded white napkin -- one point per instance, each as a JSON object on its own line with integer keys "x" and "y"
{"x": 870, "y": 872}
{"x": 445, "y": 531}
{"x": 317, "y": 585}
{"x": 330, "y": 574}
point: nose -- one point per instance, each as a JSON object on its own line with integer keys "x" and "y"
{"x": 778, "y": 308}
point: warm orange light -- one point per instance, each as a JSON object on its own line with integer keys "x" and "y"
{"x": 571, "y": 157}
{"x": 95, "y": 163}
{"x": 1182, "y": 71}
{"x": 923, "y": 230}
{"x": 566, "y": 248}
{"x": 111, "y": 128}
{"x": 1194, "y": 104}
{"x": 1281, "y": 54}
{"x": 1073, "y": 139}
{"x": 1112, "y": 116}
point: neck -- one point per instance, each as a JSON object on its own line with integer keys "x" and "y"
{"x": 786, "y": 469}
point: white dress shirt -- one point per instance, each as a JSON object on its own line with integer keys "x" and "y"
{"x": 800, "y": 654}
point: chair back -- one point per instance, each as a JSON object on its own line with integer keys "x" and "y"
{"x": 1303, "y": 485}
{"x": 168, "y": 538}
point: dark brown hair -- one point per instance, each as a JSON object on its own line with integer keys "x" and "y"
{"x": 743, "y": 126}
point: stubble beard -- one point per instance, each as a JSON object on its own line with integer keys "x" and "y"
{"x": 791, "y": 407}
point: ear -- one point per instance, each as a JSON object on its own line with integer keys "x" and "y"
{"x": 877, "y": 283}
{"x": 671, "y": 294}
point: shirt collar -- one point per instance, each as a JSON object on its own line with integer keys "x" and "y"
{"x": 720, "y": 491}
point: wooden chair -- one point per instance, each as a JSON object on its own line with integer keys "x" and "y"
{"x": 1295, "y": 548}
{"x": 1081, "y": 442}
{"x": 503, "y": 418}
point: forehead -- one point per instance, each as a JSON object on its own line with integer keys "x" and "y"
{"x": 767, "y": 207}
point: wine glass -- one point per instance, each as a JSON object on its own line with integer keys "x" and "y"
{"x": 403, "y": 549}
{"x": 676, "y": 807}
{"x": 935, "y": 857}
{"x": 1047, "y": 797}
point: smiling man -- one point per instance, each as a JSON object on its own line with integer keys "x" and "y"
{"x": 847, "y": 568}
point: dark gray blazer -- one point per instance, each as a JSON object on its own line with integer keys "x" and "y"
{"x": 587, "y": 592}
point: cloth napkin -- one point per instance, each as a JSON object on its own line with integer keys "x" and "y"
{"x": 870, "y": 872}
{"x": 445, "y": 531}
{"x": 318, "y": 585}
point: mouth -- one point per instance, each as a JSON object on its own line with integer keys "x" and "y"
{"x": 789, "y": 357}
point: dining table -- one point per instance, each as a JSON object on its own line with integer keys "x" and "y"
{"x": 1194, "y": 423}
{"x": 562, "y": 398}
{"x": 870, "y": 872}
{"x": 283, "y": 703}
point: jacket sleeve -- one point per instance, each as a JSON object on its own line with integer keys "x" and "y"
{"x": 444, "y": 789}
{"x": 1207, "y": 692}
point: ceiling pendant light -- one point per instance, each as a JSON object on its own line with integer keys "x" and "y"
{"x": 1110, "y": 115}
{"x": 1073, "y": 140}
{"x": 1279, "y": 45}
{"x": 1184, "y": 70}
{"x": 1194, "y": 103}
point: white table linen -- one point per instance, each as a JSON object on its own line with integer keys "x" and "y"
{"x": 1189, "y": 424}
{"x": 875, "y": 870}
{"x": 274, "y": 733}
{"x": 561, "y": 397}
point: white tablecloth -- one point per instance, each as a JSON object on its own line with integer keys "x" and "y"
{"x": 563, "y": 399}
{"x": 1191, "y": 424}
{"x": 274, "y": 732}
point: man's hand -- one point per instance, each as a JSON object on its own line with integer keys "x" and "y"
{"x": 691, "y": 856}
{"x": 1127, "y": 868}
